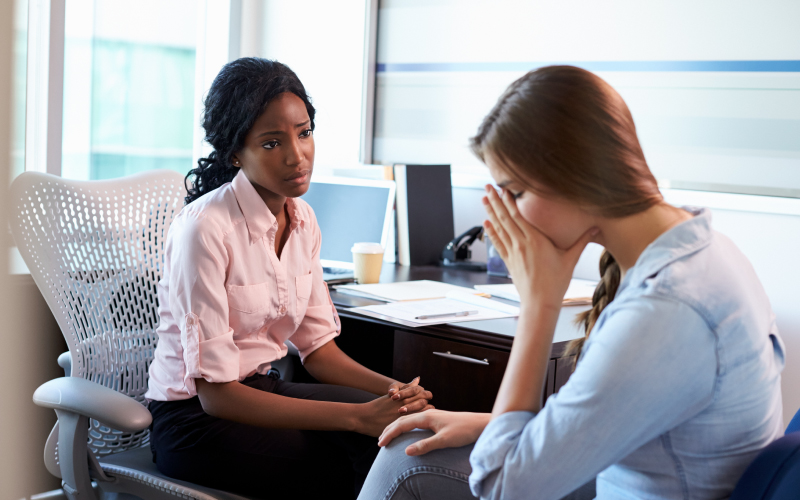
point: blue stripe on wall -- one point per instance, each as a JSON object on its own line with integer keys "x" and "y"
{"x": 738, "y": 66}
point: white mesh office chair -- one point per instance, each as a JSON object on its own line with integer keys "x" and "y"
{"x": 96, "y": 249}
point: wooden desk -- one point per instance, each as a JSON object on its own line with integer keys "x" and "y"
{"x": 468, "y": 382}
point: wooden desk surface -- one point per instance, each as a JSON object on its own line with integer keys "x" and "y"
{"x": 496, "y": 333}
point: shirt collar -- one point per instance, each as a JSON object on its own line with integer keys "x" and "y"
{"x": 680, "y": 241}
{"x": 257, "y": 216}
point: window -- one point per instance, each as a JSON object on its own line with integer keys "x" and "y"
{"x": 129, "y": 87}
{"x": 135, "y": 74}
{"x": 714, "y": 88}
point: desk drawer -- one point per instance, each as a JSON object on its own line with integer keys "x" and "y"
{"x": 462, "y": 377}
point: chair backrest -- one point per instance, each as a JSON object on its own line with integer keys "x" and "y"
{"x": 96, "y": 249}
{"x": 775, "y": 472}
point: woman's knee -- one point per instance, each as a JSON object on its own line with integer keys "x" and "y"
{"x": 438, "y": 474}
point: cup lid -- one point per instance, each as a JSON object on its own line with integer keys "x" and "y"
{"x": 367, "y": 248}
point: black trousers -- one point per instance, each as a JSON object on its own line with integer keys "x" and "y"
{"x": 190, "y": 445}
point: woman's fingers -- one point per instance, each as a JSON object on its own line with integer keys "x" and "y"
{"x": 498, "y": 244}
{"x": 416, "y": 402}
{"x": 426, "y": 445}
{"x": 409, "y": 423}
{"x": 496, "y": 241}
{"x": 398, "y": 386}
{"x": 409, "y": 391}
{"x": 401, "y": 425}
{"x": 501, "y": 235}
{"x": 413, "y": 394}
{"x": 515, "y": 216}
{"x": 502, "y": 213}
{"x": 415, "y": 407}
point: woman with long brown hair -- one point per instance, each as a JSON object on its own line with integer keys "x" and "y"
{"x": 678, "y": 386}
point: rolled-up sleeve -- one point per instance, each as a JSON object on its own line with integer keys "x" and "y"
{"x": 321, "y": 321}
{"x": 197, "y": 260}
{"x": 648, "y": 367}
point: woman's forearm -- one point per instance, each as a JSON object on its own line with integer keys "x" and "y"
{"x": 330, "y": 365}
{"x": 243, "y": 404}
{"x": 521, "y": 389}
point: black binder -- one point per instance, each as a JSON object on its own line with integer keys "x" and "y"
{"x": 424, "y": 213}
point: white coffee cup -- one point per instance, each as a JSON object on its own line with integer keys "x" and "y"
{"x": 367, "y": 259}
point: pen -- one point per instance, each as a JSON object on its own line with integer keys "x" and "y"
{"x": 446, "y": 315}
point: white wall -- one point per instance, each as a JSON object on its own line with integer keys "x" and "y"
{"x": 323, "y": 42}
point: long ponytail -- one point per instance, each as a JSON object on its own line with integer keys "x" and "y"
{"x": 604, "y": 293}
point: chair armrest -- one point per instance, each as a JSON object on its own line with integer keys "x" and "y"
{"x": 84, "y": 397}
{"x": 65, "y": 362}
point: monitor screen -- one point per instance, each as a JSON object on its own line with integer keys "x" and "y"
{"x": 349, "y": 213}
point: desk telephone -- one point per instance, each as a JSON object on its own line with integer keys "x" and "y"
{"x": 457, "y": 253}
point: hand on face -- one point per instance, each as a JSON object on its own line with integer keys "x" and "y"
{"x": 540, "y": 270}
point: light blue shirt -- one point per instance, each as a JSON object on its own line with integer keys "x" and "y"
{"x": 676, "y": 391}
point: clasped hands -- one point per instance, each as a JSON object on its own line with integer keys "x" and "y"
{"x": 413, "y": 396}
{"x": 400, "y": 399}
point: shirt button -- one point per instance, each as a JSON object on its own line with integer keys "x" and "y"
{"x": 283, "y": 310}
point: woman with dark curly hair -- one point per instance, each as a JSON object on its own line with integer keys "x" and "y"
{"x": 242, "y": 276}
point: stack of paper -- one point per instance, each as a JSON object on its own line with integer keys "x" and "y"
{"x": 579, "y": 293}
{"x": 405, "y": 290}
{"x": 457, "y": 306}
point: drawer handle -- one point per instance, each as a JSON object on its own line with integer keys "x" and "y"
{"x": 465, "y": 359}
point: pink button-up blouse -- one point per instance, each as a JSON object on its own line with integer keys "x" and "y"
{"x": 227, "y": 302}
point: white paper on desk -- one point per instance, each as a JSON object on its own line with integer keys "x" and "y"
{"x": 578, "y": 289}
{"x": 406, "y": 313}
{"x": 403, "y": 290}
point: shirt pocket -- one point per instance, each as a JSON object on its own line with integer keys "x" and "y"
{"x": 303, "y": 285}
{"x": 248, "y": 306}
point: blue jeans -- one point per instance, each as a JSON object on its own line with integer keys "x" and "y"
{"x": 437, "y": 475}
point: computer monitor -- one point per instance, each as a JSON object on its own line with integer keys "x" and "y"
{"x": 350, "y": 211}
